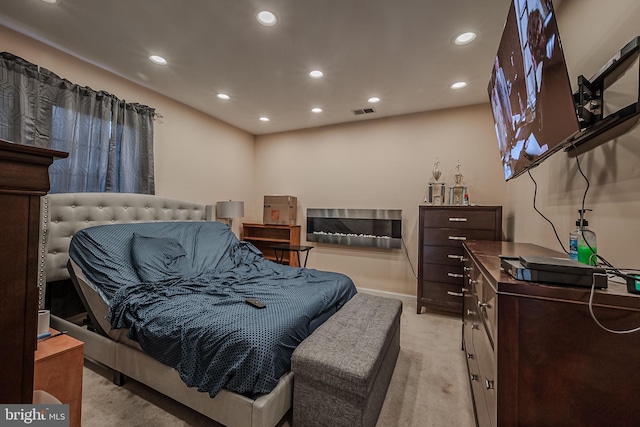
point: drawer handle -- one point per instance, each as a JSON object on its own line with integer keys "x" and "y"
{"x": 471, "y": 313}
{"x": 488, "y": 384}
{"x": 456, "y": 275}
{"x": 465, "y": 268}
{"x": 457, "y": 219}
{"x": 455, "y": 294}
{"x": 475, "y": 326}
{"x": 465, "y": 290}
{"x": 470, "y": 356}
{"x": 472, "y": 282}
{"x": 483, "y": 305}
{"x": 458, "y": 257}
{"x": 474, "y": 377}
{"x": 457, "y": 238}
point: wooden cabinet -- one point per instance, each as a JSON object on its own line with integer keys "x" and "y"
{"x": 263, "y": 236}
{"x": 442, "y": 229}
{"x": 58, "y": 371}
{"x": 24, "y": 178}
{"x": 535, "y": 354}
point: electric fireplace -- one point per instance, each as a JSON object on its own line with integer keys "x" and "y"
{"x": 380, "y": 228}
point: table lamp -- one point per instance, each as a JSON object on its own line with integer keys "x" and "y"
{"x": 229, "y": 210}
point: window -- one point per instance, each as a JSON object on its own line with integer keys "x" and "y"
{"x": 109, "y": 141}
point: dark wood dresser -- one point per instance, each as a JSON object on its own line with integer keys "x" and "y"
{"x": 535, "y": 355}
{"x": 442, "y": 229}
{"x": 23, "y": 179}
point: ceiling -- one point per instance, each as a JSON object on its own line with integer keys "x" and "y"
{"x": 400, "y": 51}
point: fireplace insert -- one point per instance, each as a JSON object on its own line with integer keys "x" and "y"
{"x": 380, "y": 228}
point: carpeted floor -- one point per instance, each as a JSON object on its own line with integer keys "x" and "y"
{"x": 429, "y": 386}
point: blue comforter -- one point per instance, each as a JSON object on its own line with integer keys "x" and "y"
{"x": 194, "y": 317}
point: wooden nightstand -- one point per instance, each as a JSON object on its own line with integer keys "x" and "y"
{"x": 58, "y": 371}
{"x": 264, "y": 236}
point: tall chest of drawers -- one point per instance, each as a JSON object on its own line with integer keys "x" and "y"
{"x": 442, "y": 229}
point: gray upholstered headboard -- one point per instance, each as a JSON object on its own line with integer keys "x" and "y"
{"x": 62, "y": 215}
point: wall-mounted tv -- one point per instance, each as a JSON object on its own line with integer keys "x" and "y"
{"x": 529, "y": 89}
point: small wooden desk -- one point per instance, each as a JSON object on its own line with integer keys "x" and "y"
{"x": 282, "y": 248}
{"x": 58, "y": 371}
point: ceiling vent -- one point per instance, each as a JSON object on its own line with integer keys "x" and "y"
{"x": 363, "y": 111}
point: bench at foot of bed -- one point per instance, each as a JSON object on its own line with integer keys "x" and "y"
{"x": 342, "y": 371}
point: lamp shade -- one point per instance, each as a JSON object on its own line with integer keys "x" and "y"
{"x": 229, "y": 209}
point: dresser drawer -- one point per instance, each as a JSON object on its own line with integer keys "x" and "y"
{"x": 486, "y": 359}
{"x": 450, "y": 255}
{"x": 454, "y": 237}
{"x": 470, "y": 322}
{"x": 443, "y": 273}
{"x": 479, "y": 403}
{"x": 447, "y": 293}
{"x": 486, "y": 302}
{"x": 461, "y": 218}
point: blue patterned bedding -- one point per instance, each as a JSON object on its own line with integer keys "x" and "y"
{"x": 180, "y": 289}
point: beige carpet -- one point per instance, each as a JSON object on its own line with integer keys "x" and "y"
{"x": 429, "y": 385}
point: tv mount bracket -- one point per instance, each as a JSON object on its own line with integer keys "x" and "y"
{"x": 595, "y": 128}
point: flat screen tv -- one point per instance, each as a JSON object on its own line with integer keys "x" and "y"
{"x": 529, "y": 90}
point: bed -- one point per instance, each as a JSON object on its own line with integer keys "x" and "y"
{"x": 92, "y": 216}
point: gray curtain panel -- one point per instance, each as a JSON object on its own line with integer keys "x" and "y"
{"x": 109, "y": 141}
{"x": 19, "y": 87}
{"x": 133, "y": 173}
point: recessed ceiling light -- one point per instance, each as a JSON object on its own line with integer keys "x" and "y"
{"x": 264, "y": 119}
{"x": 374, "y": 99}
{"x": 465, "y": 38}
{"x": 50, "y": 1}
{"x": 316, "y": 74}
{"x": 459, "y": 85}
{"x": 316, "y": 110}
{"x": 223, "y": 96}
{"x": 158, "y": 59}
{"x": 266, "y": 18}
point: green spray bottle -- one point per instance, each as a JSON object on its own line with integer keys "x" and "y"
{"x": 587, "y": 243}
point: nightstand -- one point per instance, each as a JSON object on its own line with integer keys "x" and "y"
{"x": 58, "y": 371}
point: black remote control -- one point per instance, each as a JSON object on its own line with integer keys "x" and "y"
{"x": 254, "y": 302}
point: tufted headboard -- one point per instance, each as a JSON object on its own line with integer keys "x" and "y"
{"x": 62, "y": 215}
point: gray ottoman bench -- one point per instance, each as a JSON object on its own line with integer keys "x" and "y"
{"x": 342, "y": 370}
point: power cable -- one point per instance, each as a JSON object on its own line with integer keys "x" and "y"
{"x": 535, "y": 192}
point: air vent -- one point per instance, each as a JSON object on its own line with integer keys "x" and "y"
{"x": 363, "y": 111}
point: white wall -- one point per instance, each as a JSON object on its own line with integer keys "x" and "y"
{"x": 197, "y": 157}
{"x": 380, "y": 164}
{"x": 591, "y": 31}
{"x": 371, "y": 164}
{"x": 387, "y": 163}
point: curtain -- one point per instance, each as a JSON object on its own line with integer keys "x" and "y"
{"x": 133, "y": 172}
{"x": 109, "y": 141}
{"x": 19, "y": 96}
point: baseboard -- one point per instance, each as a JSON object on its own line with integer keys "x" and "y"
{"x": 404, "y": 297}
